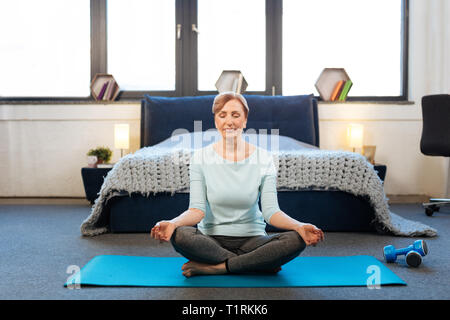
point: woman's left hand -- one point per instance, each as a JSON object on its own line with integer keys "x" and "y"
{"x": 310, "y": 234}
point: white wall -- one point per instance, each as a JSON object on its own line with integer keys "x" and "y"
{"x": 43, "y": 147}
{"x": 396, "y": 134}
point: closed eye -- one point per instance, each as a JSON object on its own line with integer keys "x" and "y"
{"x": 235, "y": 115}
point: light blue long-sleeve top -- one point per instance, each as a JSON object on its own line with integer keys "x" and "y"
{"x": 228, "y": 192}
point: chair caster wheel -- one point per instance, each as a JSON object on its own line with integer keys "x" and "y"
{"x": 430, "y": 210}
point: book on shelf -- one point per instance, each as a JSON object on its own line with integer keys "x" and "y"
{"x": 337, "y": 90}
{"x": 102, "y": 91}
{"x": 108, "y": 90}
{"x": 113, "y": 90}
{"x": 348, "y": 84}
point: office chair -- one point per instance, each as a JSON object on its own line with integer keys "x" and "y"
{"x": 435, "y": 139}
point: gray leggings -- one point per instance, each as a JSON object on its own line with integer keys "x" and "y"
{"x": 240, "y": 254}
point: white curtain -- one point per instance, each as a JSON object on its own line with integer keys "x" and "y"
{"x": 438, "y": 46}
{"x": 429, "y": 60}
{"x": 438, "y": 58}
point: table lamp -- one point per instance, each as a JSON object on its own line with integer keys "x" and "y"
{"x": 122, "y": 137}
{"x": 355, "y": 135}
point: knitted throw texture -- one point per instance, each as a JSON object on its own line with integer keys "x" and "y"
{"x": 159, "y": 169}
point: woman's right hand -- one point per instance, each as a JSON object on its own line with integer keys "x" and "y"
{"x": 163, "y": 230}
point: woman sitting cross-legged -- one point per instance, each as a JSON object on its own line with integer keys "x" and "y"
{"x": 227, "y": 178}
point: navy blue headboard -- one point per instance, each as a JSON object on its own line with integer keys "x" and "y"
{"x": 294, "y": 116}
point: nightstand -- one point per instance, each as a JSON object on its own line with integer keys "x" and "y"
{"x": 93, "y": 180}
{"x": 381, "y": 170}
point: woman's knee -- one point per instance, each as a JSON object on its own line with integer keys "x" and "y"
{"x": 294, "y": 241}
{"x": 182, "y": 234}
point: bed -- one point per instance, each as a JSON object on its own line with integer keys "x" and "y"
{"x": 334, "y": 190}
{"x": 295, "y": 117}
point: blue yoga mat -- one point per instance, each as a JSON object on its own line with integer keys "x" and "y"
{"x": 115, "y": 270}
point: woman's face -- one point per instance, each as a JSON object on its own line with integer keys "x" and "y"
{"x": 231, "y": 120}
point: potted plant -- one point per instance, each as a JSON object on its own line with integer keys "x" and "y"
{"x": 103, "y": 154}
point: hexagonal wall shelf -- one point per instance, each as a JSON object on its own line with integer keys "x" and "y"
{"x": 231, "y": 80}
{"x": 104, "y": 87}
{"x": 327, "y": 81}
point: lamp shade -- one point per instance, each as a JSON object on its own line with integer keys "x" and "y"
{"x": 355, "y": 135}
{"x": 122, "y": 136}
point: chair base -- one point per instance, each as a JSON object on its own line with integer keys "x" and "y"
{"x": 439, "y": 200}
{"x": 434, "y": 205}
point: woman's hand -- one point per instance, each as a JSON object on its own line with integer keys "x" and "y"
{"x": 163, "y": 230}
{"x": 310, "y": 234}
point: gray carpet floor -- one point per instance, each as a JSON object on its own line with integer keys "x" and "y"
{"x": 38, "y": 243}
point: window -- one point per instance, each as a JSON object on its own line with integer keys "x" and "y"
{"x": 364, "y": 37}
{"x": 141, "y": 44}
{"x": 53, "y": 48}
{"x": 231, "y": 37}
{"x": 44, "y": 48}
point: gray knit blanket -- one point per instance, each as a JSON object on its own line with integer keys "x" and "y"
{"x": 153, "y": 170}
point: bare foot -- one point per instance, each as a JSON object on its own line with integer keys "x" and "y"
{"x": 192, "y": 268}
{"x": 276, "y": 270}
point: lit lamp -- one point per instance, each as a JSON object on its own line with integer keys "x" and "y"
{"x": 122, "y": 137}
{"x": 355, "y": 135}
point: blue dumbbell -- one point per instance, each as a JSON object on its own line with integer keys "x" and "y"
{"x": 414, "y": 253}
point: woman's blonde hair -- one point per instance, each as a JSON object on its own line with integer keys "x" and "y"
{"x": 221, "y": 99}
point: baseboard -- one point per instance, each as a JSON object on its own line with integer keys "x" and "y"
{"x": 407, "y": 198}
{"x": 44, "y": 201}
{"x": 393, "y": 198}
